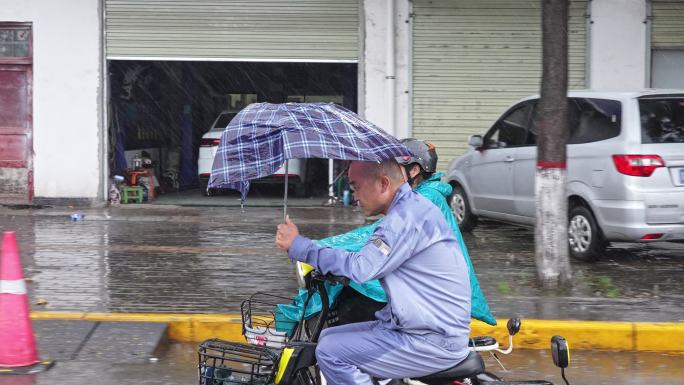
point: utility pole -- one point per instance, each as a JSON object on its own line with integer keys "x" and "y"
{"x": 551, "y": 118}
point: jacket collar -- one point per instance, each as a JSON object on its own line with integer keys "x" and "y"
{"x": 403, "y": 190}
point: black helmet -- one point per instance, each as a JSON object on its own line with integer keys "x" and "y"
{"x": 424, "y": 154}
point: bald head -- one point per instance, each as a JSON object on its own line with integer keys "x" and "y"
{"x": 389, "y": 168}
{"x": 375, "y": 184}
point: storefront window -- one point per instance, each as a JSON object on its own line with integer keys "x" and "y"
{"x": 14, "y": 42}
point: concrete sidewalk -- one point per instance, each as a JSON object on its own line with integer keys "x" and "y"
{"x": 188, "y": 264}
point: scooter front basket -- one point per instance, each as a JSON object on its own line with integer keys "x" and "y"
{"x": 229, "y": 363}
{"x": 259, "y": 321}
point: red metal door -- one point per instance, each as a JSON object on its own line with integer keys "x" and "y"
{"x": 16, "y": 171}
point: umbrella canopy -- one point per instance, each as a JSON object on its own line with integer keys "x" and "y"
{"x": 262, "y": 136}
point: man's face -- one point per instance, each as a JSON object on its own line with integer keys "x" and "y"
{"x": 367, "y": 189}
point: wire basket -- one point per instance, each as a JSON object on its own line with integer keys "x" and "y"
{"x": 230, "y": 363}
{"x": 258, "y": 321}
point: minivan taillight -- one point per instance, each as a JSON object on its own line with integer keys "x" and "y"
{"x": 649, "y": 237}
{"x": 209, "y": 142}
{"x": 637, "y": 165}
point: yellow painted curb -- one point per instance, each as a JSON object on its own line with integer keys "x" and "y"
{"x": 534, "y": 334}
{"x": 182, "y": 327}
{"x": 592, "y": 335}
{"x": 655, "y": 336}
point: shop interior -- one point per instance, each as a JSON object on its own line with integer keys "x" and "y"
{"x": 159, "y": 111}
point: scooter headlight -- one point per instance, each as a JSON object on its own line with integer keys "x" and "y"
{"x": 302, "y": 270}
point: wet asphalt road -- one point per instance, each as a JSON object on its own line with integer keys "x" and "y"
{"x": 178, "y": 365}
{"x": 208, "y": 259}
{"x": 147, "y": 259}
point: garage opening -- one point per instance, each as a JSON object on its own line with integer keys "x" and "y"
{"x": 162, "y": 113}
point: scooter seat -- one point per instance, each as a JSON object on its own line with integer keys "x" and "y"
{"x": 470, "y": 366}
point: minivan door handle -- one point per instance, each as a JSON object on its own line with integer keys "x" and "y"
{"x": 509, "y": 159}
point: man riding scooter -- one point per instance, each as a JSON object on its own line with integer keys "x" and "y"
{"x": 359, "y": 302}
{"x": 414, "y": 254}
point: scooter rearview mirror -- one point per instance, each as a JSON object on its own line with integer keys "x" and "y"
{"x": 560, "y": 351}
{"x": 513, "y": 326}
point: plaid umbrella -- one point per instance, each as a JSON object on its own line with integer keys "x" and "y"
{"x": 263, "y": 135}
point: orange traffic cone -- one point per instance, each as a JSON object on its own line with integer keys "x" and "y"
{"x": 18, "y": 353}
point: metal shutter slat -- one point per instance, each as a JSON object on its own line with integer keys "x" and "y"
{"x": 315, "y": 30}
{"x": 668, "y": 25}
{"x": 472, "y": 59}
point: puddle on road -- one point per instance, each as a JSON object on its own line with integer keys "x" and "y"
{"x": 592, "y": 367}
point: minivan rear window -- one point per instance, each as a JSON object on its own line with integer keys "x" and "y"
{"x": 662, "y": 120}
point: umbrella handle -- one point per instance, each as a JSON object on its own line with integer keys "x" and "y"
{"x": 287, "y": 173}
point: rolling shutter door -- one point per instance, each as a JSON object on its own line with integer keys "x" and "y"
{"x": 667, "y": 44}
{"x": 256, "y": 30}
{"x": 472, "y": 59}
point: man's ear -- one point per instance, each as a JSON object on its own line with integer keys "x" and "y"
{"x": 385, "y": 183}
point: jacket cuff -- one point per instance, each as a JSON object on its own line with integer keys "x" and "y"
{"x": 299, "y": 249}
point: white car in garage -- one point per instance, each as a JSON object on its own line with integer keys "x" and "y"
{"x": 207, "y": 151}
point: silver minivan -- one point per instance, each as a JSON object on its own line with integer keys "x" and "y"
{"x": 625, "y": 169}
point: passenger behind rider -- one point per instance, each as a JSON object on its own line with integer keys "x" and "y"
{"x": 359, "y": 302}
{"x": 413, "y": 252}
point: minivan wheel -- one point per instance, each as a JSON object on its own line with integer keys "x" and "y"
{"x": 461, "y": 209}
{"x": 584, "y": 237}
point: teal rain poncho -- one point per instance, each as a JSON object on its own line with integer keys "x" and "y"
{"x": 437, "y": 192}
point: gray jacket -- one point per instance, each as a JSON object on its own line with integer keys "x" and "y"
{"x": 414, "y": 254}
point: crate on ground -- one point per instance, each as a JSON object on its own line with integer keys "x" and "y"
{"x": 259, "y": 323}
{"x": 229, "y": 363}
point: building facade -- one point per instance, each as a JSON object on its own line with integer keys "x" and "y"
{"x": 80, "y": 93}
{"x": 51, "y": 127}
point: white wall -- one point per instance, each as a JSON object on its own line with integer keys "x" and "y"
{"x": 66, "y": 94}
{"x": 618, "y": 44}
{"x": 375, "y": 101}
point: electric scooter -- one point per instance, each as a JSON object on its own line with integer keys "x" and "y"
{"x": 276, "y": 358}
